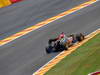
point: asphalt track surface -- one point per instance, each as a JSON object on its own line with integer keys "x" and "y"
{"x": 29, "y": 12}
{"x": 26, "y": 54}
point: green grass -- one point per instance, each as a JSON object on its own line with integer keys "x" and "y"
{"x": 84, "y": 60}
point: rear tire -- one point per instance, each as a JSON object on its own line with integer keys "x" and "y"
{"x": 49, "y": 49}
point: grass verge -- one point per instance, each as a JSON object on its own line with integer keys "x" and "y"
{"x": 84, "y": 60}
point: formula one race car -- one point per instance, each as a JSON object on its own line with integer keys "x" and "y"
{"x": 63, "y": 42}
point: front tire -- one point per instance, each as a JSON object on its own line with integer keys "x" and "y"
{"x": 80, "y": 37}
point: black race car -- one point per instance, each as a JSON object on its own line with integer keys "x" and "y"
{"x": 55, "y": 45}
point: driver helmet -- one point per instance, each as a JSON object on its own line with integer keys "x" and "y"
{"x": 62, "y": 35}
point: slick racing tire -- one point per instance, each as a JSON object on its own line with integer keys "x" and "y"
{"x": 80, "y": 37}
{"x": 48, "y": 49}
